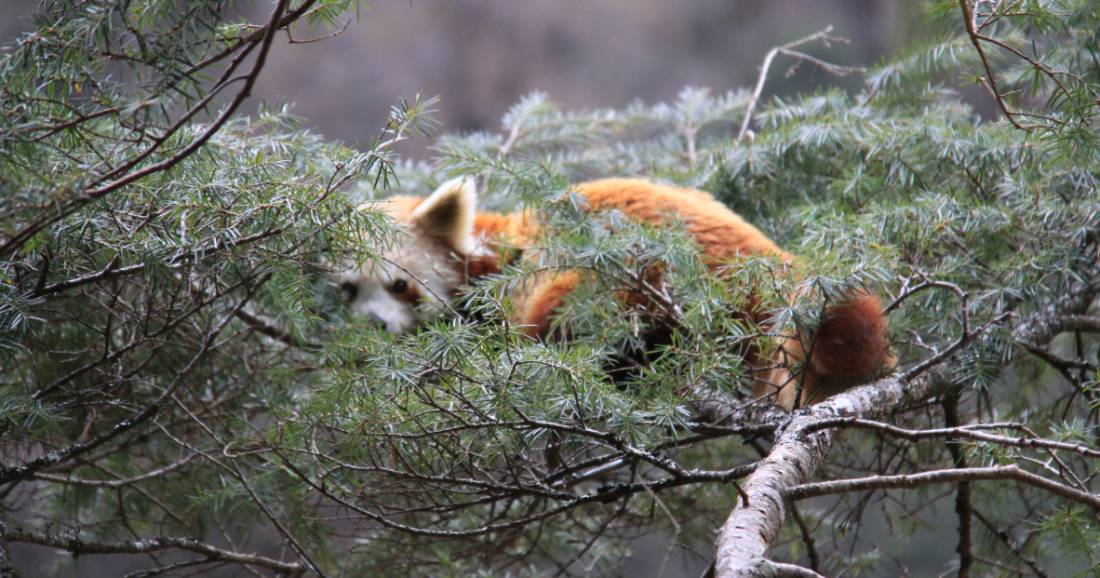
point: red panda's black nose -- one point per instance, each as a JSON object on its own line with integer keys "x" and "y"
{"x": 376, "y": 321}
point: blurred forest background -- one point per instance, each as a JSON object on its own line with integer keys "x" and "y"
{"x": 480, "y": 56}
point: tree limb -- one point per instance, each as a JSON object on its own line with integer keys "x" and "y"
{"x": 1008, "y": 472}
{"x": 76, "y": 546}
{"x": 968, "y": 431}
{"x": 788, "y": 50}
{"x": 963, "y": 508}
{"x": 748, "y": 532}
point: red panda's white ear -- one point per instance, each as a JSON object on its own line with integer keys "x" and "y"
{"x": 449, "y": 213}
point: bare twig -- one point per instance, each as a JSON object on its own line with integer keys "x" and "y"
{"x": 1007, "y": 541}
{"x": 973, "y": 431}
{"x": 991, "y": 79}
{"x": 962, "y": 491}
{"x": 807, "y": 537}
{"x": 788, "y": 50}
{"x": 292, "y": 40}
{"x": 117, "y": 483}
{"x": 909, "y": 481}
{"x": 147, "y": 545}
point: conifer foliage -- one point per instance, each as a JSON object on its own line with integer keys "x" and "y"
{"x": 182, "y": 387}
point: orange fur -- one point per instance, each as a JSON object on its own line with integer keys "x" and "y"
{"x": 545, "y": 294}
{"x": 849, "y": 346}
{"x": 511, "y": 229}
{"x": 721, "y": 233}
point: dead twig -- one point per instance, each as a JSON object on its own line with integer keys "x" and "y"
{"x": 788, "y": 50}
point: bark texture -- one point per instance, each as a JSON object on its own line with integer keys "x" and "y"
{"x": 750, "y": 529}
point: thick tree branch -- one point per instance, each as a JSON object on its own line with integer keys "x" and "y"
{"x": 802, "y": 444}
{"x": 748, "y": 532}
{"x": 1040, "y": 327}
{"x": 1084, "y": 323}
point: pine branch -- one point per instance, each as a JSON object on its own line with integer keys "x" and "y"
{"x": 910, "y": 481}
{"x": 211, "y": 553}
{"x": 30, "y": 469}
{"x": 85, "y": 196}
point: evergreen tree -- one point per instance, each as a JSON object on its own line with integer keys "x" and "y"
{"x": 180, "y": 383}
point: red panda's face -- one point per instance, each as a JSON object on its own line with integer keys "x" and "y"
{"x": 409, "y": 284}
{"x": 415, "y": 279}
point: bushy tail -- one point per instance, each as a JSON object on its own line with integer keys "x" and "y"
{"x": 851, "y": 342}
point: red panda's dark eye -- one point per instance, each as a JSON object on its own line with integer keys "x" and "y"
{"x": 350, "y": 290}
{"x": 400, "y": 286}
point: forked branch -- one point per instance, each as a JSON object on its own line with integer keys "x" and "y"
{"x": 789, "y": 50}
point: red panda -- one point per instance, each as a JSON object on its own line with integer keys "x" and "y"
{"x": 449, "y": 242}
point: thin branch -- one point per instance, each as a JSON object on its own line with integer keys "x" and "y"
{"x": 962, "y": 491}
{"x": 147, "y": 545}
{"x": 963, "y": 339}
{"x": 807, "y": 537}
{"x": 17, "y": 239}
{"x": 788, "y": 50}
{"x": 238, "y": 99}
{"x": 1062, "y": 364}
{"x": 270, "y": 329}
{"x": 121, "y": 482}
{"x": 292, "y": 40}
{"x": 1007, "y": 541}
{"x": 282, "y": 529}
{"x": 969, "y": 431}
{"x": 514, "y": 134}
{"x": 29, "y": 469}
{"x": 975, "y": 39}
{"x": 784, "y": 570}
{"x": 910, "y": 481}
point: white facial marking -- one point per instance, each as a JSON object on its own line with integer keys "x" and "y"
{"x": 380, "y": 306}
{"x": 416, "y": 269}
{"x": 424, "y": 260}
